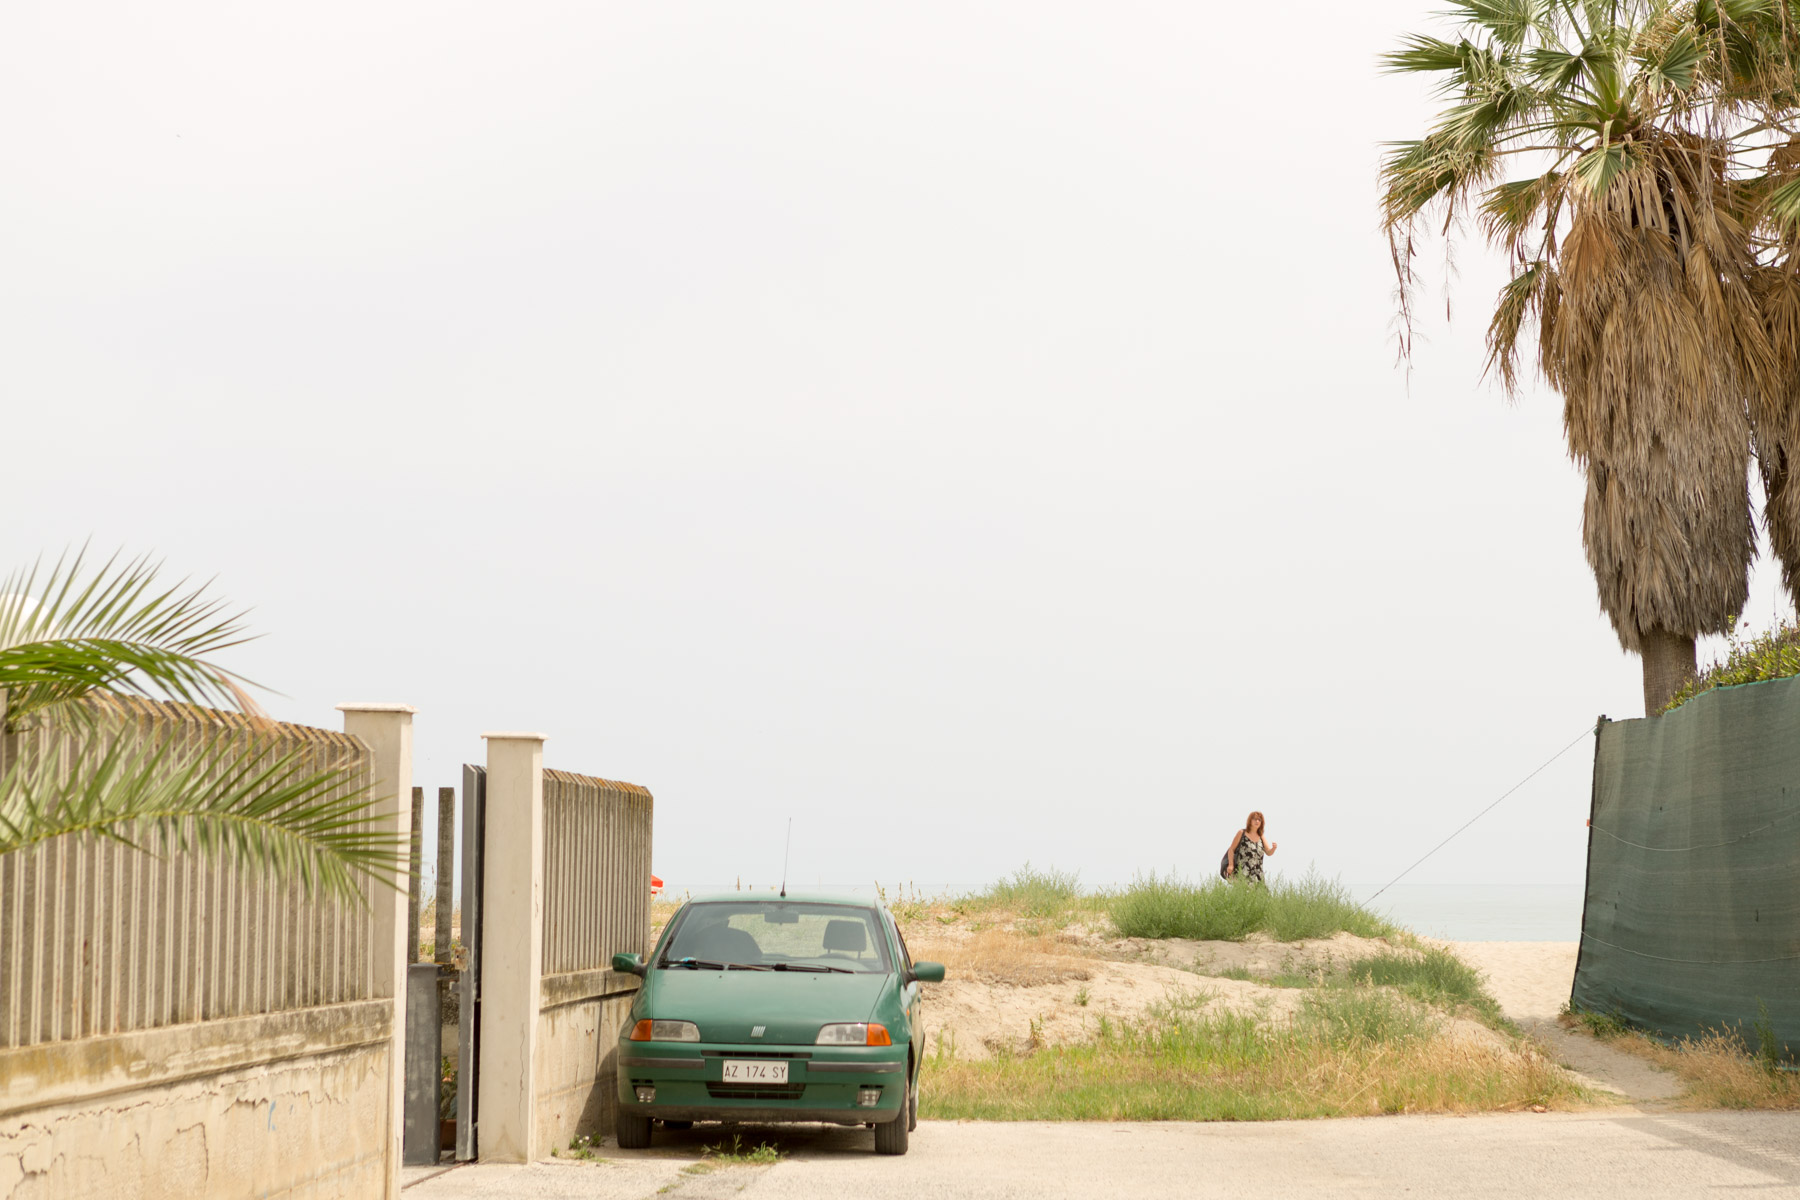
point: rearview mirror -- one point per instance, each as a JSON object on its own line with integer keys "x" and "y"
{"x": 928, "y": 972}
{"x": 633, "y": 964}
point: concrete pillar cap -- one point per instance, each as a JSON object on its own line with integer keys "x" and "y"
{"x": 374, "y": 706}
{"x": 516, "y": 737}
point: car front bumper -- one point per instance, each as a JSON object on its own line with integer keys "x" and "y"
{"x": 823, "y": 1083}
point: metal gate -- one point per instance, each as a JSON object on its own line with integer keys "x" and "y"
{"x": 468, "y": 1032}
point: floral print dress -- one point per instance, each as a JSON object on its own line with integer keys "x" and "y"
{"x": 1249, "y": 859}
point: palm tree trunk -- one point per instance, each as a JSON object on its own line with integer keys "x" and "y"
{"x": 1668, "y": 663}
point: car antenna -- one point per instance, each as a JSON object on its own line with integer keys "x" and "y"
{"x": 784, "y": 857}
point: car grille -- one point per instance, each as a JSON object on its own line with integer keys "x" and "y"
{"x": 767, "y": 1091}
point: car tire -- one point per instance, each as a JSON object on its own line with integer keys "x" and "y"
{"x": 892, "y": 1136}
{"x": 633, "y": 1130}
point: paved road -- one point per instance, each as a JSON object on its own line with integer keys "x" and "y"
{"x": 1612, "y": 1155}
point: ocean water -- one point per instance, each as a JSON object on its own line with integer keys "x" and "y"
{"x": 1483, "y": 912}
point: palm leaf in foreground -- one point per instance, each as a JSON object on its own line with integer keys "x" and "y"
{"x": 265, "y": 809}
{"x": 112, "y": 628}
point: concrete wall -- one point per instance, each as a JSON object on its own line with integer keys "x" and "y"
{"x": 567, "y": 885}
{"x": 291, "y": 1104}
{"x": 181, "y": 1026}
{"x": 577, "y": 1048}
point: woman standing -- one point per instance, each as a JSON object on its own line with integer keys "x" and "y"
{"x": 1248, "y": 849}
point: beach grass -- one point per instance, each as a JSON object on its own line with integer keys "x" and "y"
{"x": 1435, "y": 977}
{"x": 1225, "y": 910}
{"x": 1350, "y": 1052}
{"x": 1718, "y": 1069}
{"x": 1165, "y": 906}
{"x": 1039, "y": 894}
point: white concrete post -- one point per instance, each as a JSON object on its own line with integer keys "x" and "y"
{"x": 512, "y": 946}
{"x": 386, "y": 729}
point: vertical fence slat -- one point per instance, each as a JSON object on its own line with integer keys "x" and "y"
{"x": 596, "y": 871}
{"x": 99, "y": 938}
{"x": 12, "y": 899}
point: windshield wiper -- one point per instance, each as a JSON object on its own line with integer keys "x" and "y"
{"x": 695, "y": 964}
{"x": 809, "y": 967}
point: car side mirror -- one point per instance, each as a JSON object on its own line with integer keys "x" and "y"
{"x": 928, "y": 972}
{"x": 631, "y": 964}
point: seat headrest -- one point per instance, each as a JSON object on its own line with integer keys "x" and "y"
{"x": 850, "y": 936}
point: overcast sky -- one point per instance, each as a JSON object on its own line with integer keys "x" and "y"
{"x": 971, "y": 430}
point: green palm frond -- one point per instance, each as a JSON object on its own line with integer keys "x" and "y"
{"x": 1509, "y": 21}
{"x": 1783, "y": 206}
{"x": 225, "y": 798}
{"x": 1554, "y": 69}
{"x": 1474, "y": 125}
{"x": 1425, "y": 54}
{"x": 70, "y": 631}
{"x": 1597, "y": 169}
{"x": 1512, "y": 208}
{"x": 71, "y": 635}
{"x": 1420, "y": 174}
{"x": 1711, "y": 14}
{"x": 1672, "y": 66}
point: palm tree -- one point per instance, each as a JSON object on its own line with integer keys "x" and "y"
{"x": 1612, "y": 149}
{"x": 72, "y": 643}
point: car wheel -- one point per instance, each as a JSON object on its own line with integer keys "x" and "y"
{"x": 633, "y": 1130}
{"x": 891, "y": 1137}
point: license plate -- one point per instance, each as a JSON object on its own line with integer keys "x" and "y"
{"x": 744, "y": 1070}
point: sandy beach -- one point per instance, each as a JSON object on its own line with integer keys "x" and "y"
{"x": 1531, "y": 980}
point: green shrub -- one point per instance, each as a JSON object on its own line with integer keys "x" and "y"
{"x": 1434, "y": 977}
{"x": 1225, "y": 910}
{"x": 1772, "y": 654}
{"x": 1027, "y": 892}
{"x": 1343, "y": 1017}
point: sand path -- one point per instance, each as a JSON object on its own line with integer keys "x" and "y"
{"x": 1531, "y": 980}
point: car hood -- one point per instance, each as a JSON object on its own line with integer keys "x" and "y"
{"x": 790, "y": 1006}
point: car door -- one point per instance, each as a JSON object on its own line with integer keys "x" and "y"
{"x": 911, "y": 996}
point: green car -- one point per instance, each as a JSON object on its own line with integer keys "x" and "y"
{"x": 798, "y": 1008}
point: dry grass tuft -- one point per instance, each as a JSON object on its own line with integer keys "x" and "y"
{"x": 1720, "y": 1073}
{"x": 1186, "y": 1065}
{"x": 1002, "y": 956}
{"x": 1718, "y": 1070}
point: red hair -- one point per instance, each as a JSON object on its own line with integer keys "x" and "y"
{"x": 1262, "y": 827}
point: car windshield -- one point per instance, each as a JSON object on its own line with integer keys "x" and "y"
{"x": 776, "y": 935}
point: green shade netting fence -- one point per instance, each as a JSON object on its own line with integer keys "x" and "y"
{"x": 1692, "y": 913}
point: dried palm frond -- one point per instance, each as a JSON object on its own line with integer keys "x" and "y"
{"x": 1610, "y": 151}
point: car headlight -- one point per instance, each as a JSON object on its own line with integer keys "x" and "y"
{"x": 648, "y": 1030}
{"x": 857, "y": 1033}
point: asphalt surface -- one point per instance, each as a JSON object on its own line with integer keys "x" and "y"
{"x": 1618, "y": 1154}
